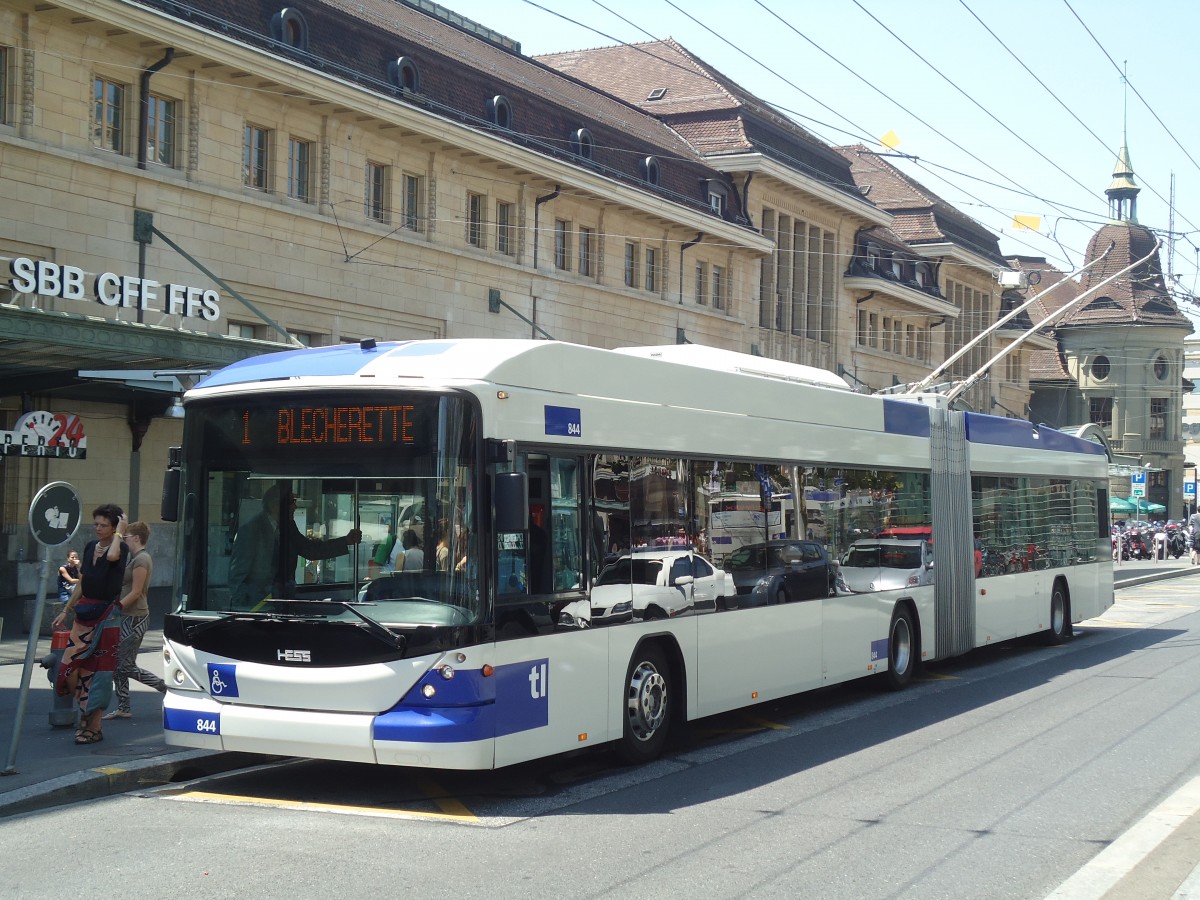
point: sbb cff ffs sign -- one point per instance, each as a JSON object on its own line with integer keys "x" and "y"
{"x": 49, "y": 279}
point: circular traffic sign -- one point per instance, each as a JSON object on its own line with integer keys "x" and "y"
{"x": 55, "y": 514}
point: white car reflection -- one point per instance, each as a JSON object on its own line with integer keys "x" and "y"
{"x": 881, "y": 564}
{"x": 650, "y": 584}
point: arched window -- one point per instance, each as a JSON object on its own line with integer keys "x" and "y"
{"x": 649, "y": 170}
{"x": 582, "y": 144}
{"x": 499, "y": 111}
{"x": 403, "y": 73}
{"x": 288, "y": 27}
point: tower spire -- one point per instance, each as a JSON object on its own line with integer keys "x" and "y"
{"x": 1122, "y": 192}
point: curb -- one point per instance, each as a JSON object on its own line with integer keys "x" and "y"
{"x": 106, "y": 781}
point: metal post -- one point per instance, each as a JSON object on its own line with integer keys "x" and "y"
{"x": 35, "y": 629}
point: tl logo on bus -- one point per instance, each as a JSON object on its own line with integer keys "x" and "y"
{"x": 539, "y": 685}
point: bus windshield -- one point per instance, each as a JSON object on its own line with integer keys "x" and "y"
{"x": 365, "y": 500}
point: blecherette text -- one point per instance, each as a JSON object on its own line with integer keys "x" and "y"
{"x": 126, "y": 291}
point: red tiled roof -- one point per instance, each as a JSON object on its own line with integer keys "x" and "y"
{"x": 693, "y": 92}
{"x": 921, "y": 216}
{"x": 1138, "y": 297}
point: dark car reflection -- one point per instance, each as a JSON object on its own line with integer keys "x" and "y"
{"x": 781, "y": 571}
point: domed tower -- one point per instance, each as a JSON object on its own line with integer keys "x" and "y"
{"x": 1123, "y": 348}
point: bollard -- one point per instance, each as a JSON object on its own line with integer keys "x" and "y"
{"x": 63, "y": 709}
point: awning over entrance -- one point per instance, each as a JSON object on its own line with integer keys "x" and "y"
{"x": 42, "y": 352}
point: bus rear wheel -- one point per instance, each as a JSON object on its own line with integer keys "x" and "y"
{"x": 647, "y": 706}
{"x": 902, "y": 650}
{"x": 1060, "y": 629}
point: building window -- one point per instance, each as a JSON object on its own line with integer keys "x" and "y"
{"x": 108, "y": 120}
{"x": 1158, "y": 419}
{"x": 718, "y": 287}
{"x": 1100, "y": 368}
{"x": 160, "y": 130}
{"x": 404, "y": 74}
{"x": 3, "y": 85}
{"x": 499, "y": 112}
{"x": 307, "y": 338}
{"x": 562, "y": 246}
{"x": 651, "y": 270}
{"x": 582, "y": 144}
{"x": 716, "y": 199}
{"x": 375, "y": 203}
{"x": 701, "y": 284}
{"x": 288, "y": 27}
{"x": 505, "y": 228}
{"x": 242, "y": 330}
{"x": 1100, "y": 411}
{"x": 650, "y": 171}
{"x": 631, "y": 265}
{"x": 475, "y": 220}
{"x": 413, "y": 196}
{"x": 586, "y": 250}
{"x": 1161, "y": 368}
{"x": 299, "y": 155}
{"x": 256, "y": 157}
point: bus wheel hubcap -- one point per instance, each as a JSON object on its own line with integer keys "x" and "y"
{"x": 901, "y": 646}
{"x": 647, "y": 701}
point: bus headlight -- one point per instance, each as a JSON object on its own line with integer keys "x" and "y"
{"x": 447, "y": 672}
{"x": 428, "y": 690}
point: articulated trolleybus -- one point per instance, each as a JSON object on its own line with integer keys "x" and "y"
{"x": 471, "y": 553}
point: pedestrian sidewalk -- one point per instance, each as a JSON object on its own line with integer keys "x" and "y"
{"x": 51, "y": 770}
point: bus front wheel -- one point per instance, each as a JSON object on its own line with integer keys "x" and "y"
{"x": 647, "y": 706}
{"x": 902, "y": 650}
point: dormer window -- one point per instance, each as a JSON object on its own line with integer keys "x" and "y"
{"x": 872, "y": 257}
{"x": 499, "y": 112}
{"x": 649, "y": 170}
{"x": 404, "y": 74}
{"x": 288, "y": 27}
{"x": 582, "y": 144}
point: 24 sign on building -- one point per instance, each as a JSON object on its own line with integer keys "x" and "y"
{"x": 45, "y": 434}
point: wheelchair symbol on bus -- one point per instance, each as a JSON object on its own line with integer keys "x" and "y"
{"x": 222, "y": 680}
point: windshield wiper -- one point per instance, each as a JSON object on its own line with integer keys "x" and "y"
{"x": 383, "y": 633}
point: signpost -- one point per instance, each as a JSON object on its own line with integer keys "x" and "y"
{"x": 54, "y": 517}
{"x": 1137, "y": 485}
{"x": 1189, "y": 494}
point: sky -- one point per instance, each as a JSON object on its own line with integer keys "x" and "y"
{"x": 1010, "y": 107}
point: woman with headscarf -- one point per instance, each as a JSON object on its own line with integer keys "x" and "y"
{"x": 90, "y": 659}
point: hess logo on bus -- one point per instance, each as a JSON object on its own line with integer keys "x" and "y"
{"x": 294, "y": 655}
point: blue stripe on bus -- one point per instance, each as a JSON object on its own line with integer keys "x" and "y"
{"x": 983, "y": 429}
{"x": 879, "y": 649}
{"x": 191, "y": 721}
{"x": 901, "y": 417}
{"x": 471, "y": 707}
{"x": 444, "y": 725}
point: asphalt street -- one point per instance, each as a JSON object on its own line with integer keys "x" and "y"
{"x": 1159, "y": 856}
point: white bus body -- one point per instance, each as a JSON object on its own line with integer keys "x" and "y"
{"x": 477, "y": 660}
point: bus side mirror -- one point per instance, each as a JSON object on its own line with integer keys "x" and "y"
{"x": 510, "y": 501}
{"x": 169, "y": 507}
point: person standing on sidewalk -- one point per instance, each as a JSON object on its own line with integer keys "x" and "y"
{"x": 135, "y": 615}
{"x": 87, "y": 666}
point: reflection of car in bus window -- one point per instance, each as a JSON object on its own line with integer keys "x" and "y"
{"x": 885, "y": 563}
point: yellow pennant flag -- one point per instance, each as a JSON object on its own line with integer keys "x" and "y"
{"x": 891, "y": 140}
{"x": 1027, "y": 223}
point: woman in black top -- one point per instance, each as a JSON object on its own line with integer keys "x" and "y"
{"x": 90, "y": 660}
